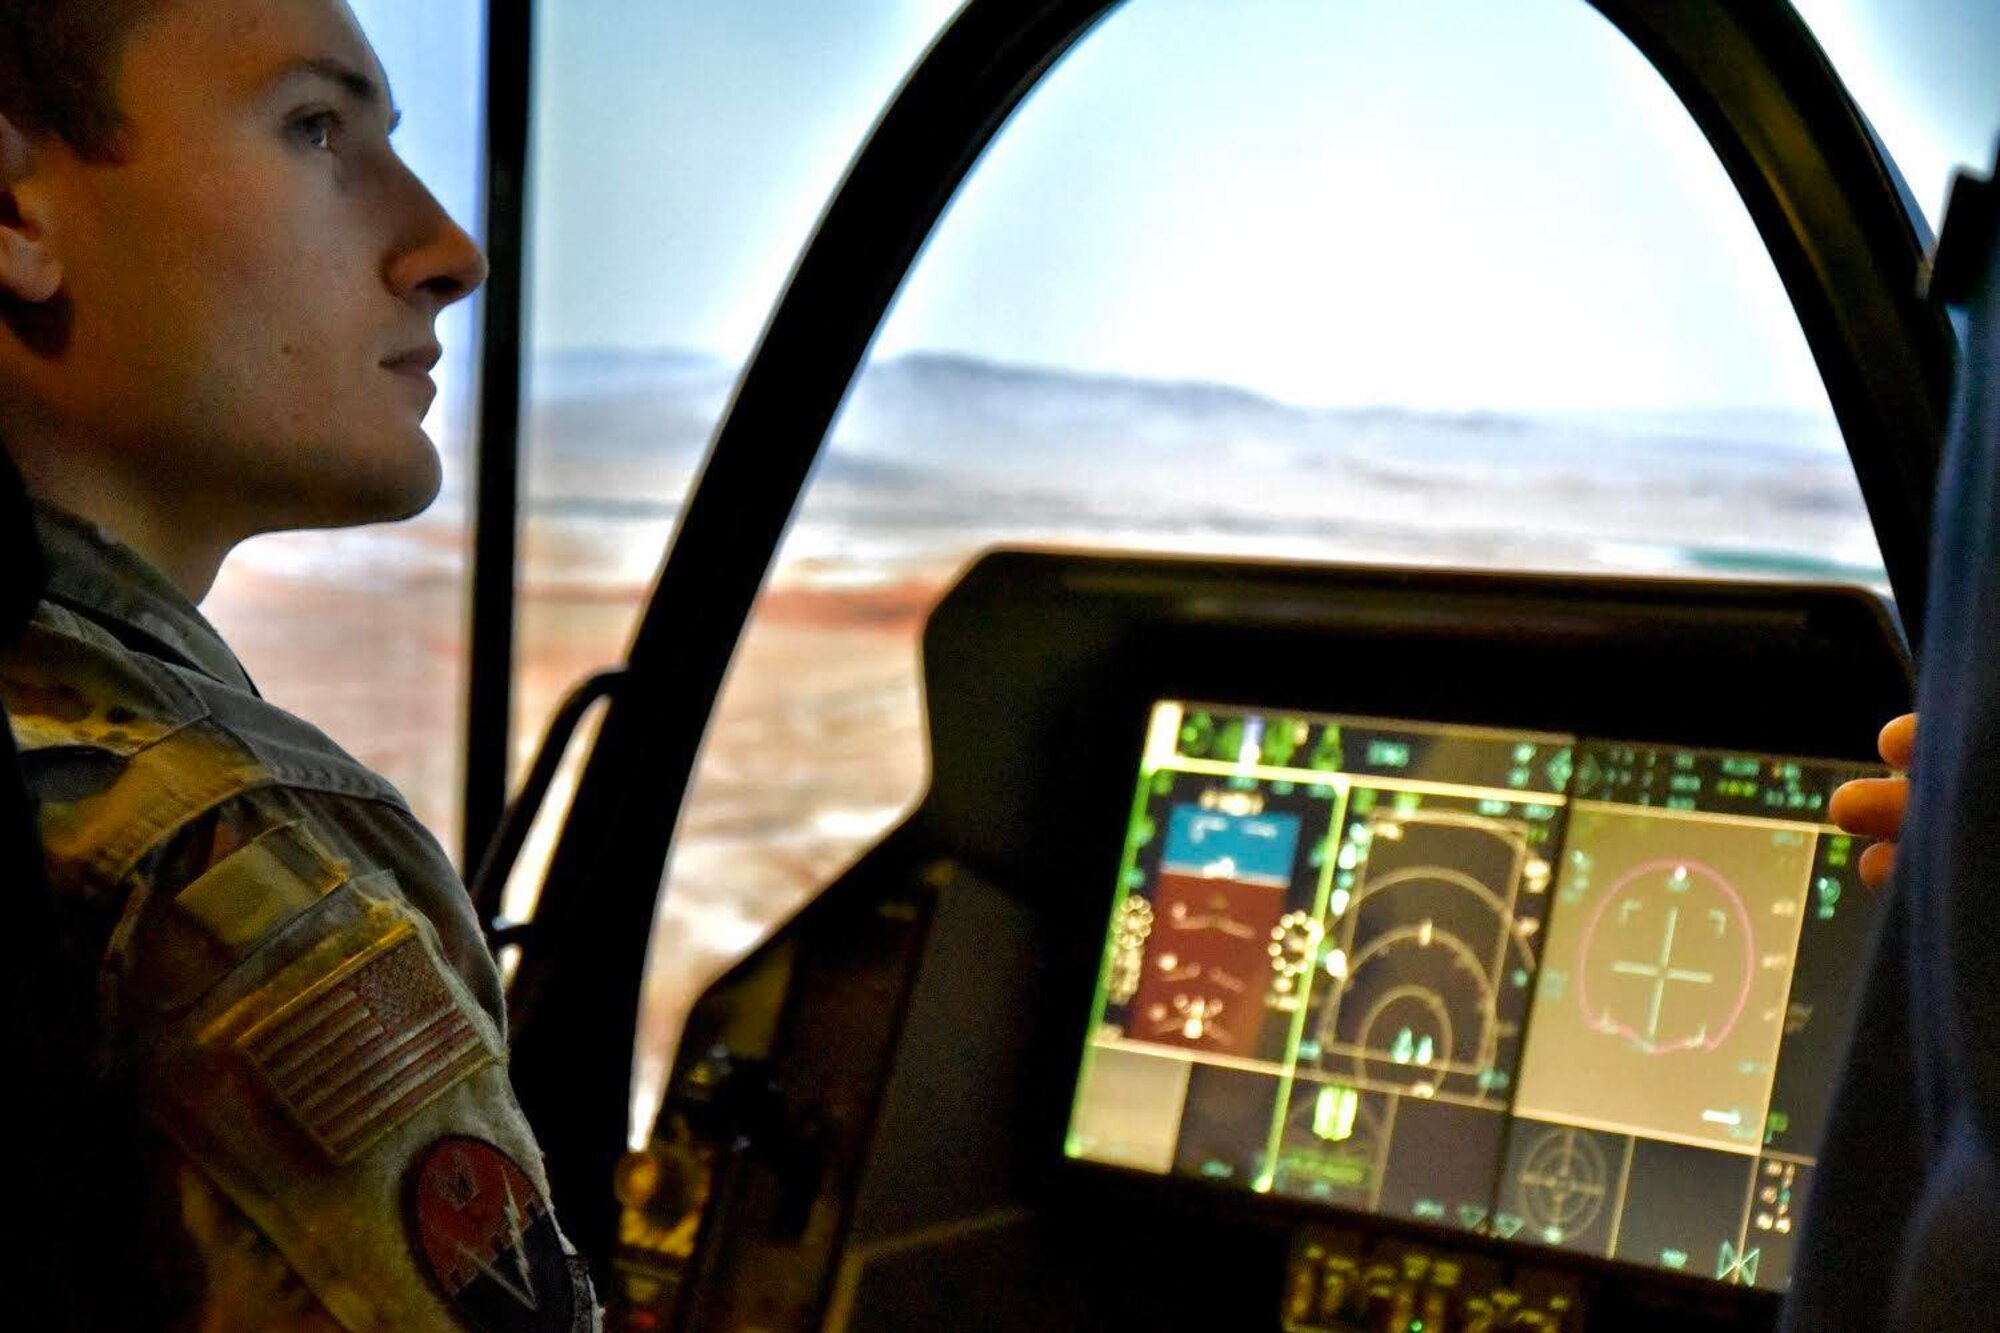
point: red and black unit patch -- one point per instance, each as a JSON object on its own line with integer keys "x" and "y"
{"x": 486, "y": 1237}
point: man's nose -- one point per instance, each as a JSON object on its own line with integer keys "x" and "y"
{"x": 437, "y": 259}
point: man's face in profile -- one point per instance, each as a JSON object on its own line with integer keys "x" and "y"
{"x": 251, "y": 287}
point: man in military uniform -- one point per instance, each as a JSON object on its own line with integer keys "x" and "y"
{"x": 218, "y": 286}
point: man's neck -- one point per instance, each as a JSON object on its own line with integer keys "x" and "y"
{"x": 174, "y": 541}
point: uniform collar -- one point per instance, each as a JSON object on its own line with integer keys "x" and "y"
{"x": 99, "y": 577}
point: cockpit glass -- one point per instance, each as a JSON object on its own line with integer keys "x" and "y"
{"x": 682, "y": 155}
{"x": 1440, "y": 282}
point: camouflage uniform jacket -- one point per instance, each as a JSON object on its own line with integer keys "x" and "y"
{"x": 292, "y": 981}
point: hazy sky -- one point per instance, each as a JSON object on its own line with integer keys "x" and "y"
{"x": 1438, "y": 203}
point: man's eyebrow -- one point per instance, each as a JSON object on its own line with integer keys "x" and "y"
{"x": 356, "y": 84}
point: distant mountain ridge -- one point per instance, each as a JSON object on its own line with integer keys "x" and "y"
{"x": 936, "y": 454}
{"x": 927, "y": 408}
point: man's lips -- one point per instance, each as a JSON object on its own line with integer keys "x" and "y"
{"x": 417, "y": 362}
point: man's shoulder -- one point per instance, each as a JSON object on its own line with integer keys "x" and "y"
{"x": 68, "y": 684}
{"x": 292, "y": 978}
{"x": 122, "y": 750}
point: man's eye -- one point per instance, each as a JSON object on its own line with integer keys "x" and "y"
{"x": 316, "y": 129}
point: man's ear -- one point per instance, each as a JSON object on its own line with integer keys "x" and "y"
{"x": 30, "y": 273}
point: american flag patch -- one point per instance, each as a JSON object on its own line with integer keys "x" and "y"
{"x": 367, "y": 1048}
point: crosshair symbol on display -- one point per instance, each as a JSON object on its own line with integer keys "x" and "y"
{"x": 1563, "y": 1184}
{"x": 1679, "y": 930}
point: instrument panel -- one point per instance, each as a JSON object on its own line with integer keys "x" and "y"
{"x": 1569, "y": 991}
{"x": 1301, "y": 948}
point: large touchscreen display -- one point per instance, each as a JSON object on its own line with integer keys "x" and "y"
{"x": 1583, "y": 993}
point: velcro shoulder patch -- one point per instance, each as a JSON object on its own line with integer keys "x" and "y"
{"x": 354, "y": 1052}
{"x": 262, "y": 885}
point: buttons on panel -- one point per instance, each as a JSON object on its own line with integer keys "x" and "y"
{"x": 1344, "y": 1282}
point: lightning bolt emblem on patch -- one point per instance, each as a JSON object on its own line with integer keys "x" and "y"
{"x": 520, "y": 1238}
{"x": 470, "y": 1204}
{"x": 521, "y": 1283}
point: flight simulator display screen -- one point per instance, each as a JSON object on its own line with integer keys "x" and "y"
{"x": 1582, "y": 993}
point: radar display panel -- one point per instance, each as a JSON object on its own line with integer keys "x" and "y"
{"x": 1579, "y": 993}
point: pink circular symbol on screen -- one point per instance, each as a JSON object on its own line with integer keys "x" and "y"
{"x": 1671, "y": 942}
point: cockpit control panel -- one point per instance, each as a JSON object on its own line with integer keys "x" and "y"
{"x": 1304, "y": 949}
{"x": 1543, "y": 987}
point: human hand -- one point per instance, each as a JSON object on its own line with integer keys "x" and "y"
{"x": 1873, "y": 807}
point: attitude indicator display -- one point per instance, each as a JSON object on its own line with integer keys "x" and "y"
{"x": 1580, "y": 993}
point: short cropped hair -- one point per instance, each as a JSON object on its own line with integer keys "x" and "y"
{"x": 59, "y": 68}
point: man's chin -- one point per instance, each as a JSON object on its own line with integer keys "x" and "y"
{"x": 419, "y": 492}
{"x": 400, "y": 509}
{"x": 399, "y": 485}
